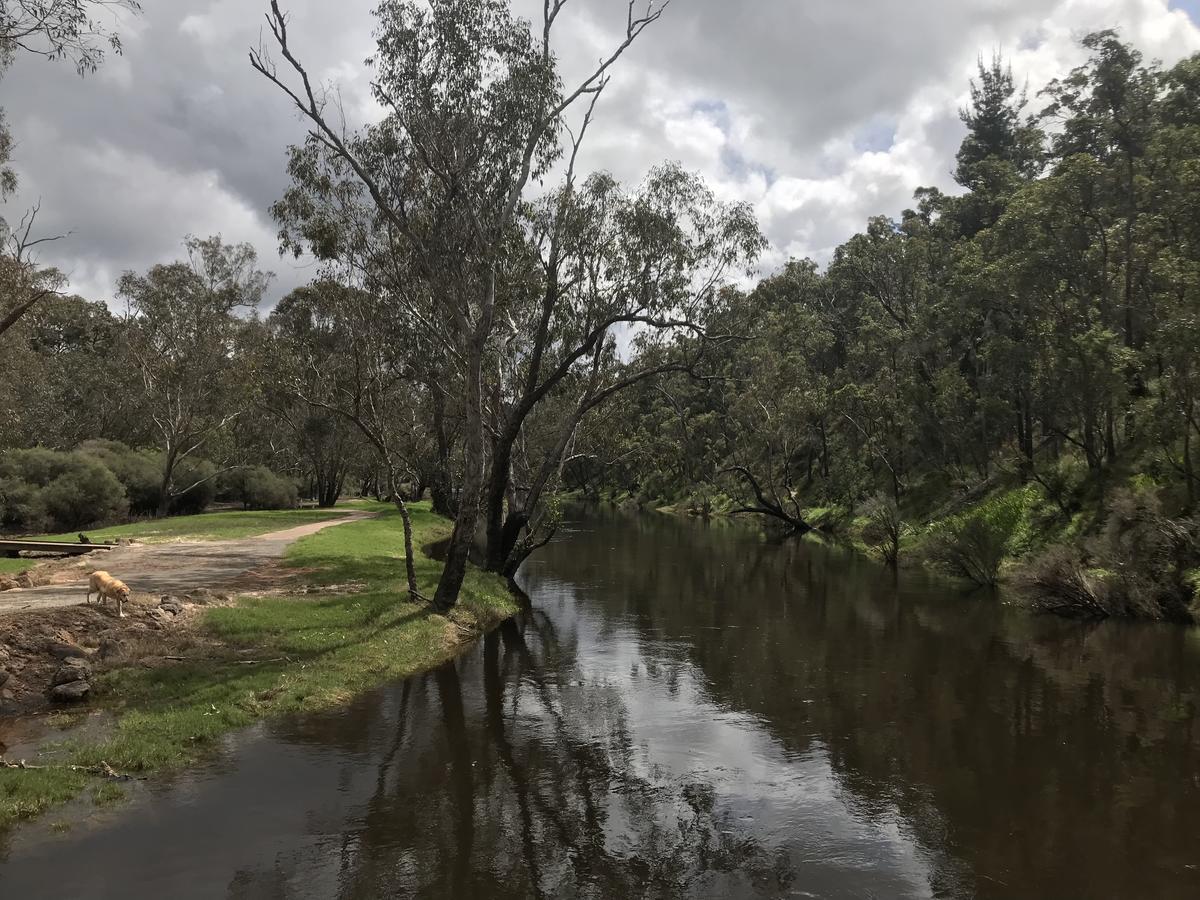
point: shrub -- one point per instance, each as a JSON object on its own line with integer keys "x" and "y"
{"x": 257, "y": 487}
{"x": 189, "y": 472}
{"x": 140, "y": 471}
{"x": 86, "y": 494}
{"x": 1064, "y": 481}
{"x": 48, "y": 489}
{"x": 974, "y": 544}
{"x": 1059, "y": 582}
{"x": 21, "y": 507}
{"x": 884, "y": 528}
{"x": 1140, "y": 565}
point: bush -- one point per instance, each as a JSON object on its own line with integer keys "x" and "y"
{"x": 140, "y": 471}
{"x": 884, "y": 529}
{"x": 88, "y": 494}
{"x": 193, "y": 500}
{"x": 21, "y": 507}
{"x": 48, "y": 489}
{"x": 974, "y": 544}
{"x": 1141, "y": 565}
{"x": 257, "y": 487}
{"x": 1058, "y": 581}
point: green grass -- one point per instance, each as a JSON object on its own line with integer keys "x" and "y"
{"x": 314, "y": 651}
{"x": 212, "y": 526}
{"x": 13, "y": 566}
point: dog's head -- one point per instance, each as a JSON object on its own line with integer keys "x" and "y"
{"x": 123, "y": 591}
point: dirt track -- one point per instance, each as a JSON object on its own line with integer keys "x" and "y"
{"x": 170, "y": 568}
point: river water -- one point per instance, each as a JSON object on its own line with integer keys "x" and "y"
{"x": 692, "y": 711}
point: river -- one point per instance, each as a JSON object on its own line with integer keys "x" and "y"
{"x": 692, "y": 711}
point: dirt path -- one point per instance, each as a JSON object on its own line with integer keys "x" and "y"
{"x": 170, "y": 568}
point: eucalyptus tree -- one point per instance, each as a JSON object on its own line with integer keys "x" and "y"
{"x": 300, "y": 335}
{"x": 24, "y": 281}
{"x": 53, "y": 30}
{"x": 340, "y": 351}
{"x": 62, "y": 29}
{"x": 474, "y": 106}
{"x": 653, "y": 260}
{"x": 181, "y": 337}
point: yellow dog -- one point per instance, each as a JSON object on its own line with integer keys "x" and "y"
{"x": 108, "y": 588}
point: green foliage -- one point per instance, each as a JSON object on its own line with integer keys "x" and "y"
{"x": 257, "y": 487}
{"x": 884, "y": 529}
{"x": 139, "y": 471}
{"x": 974, "y": 544}
{"x": 1141, "y": 564}
{"x": 195, "y": 487}
{"x": 47, "y": 488}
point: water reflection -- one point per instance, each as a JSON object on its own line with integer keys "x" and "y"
{"x": 693, "y": 712}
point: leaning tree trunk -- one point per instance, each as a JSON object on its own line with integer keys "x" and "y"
{"x": 497, "y": 489}
{"x": 463, "y": 536}
{"x": 410, "y": 570}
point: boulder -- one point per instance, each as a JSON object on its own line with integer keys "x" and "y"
{"x": 204, "y": 595}
{"x": 71, "y": 692}
{"x": 63, "y": 649}
{"x": 3, "y": 677}
{"x": 158, "y": 614}
{"x": 173, "y": 605}
{"x": 72, "y": 669}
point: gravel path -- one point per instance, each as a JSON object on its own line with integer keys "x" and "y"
{"x": 170, "y": 568}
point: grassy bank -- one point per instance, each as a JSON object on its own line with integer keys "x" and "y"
{"x": 213, "y": 526}
{"x": 210, "y": 526}
{"x": 313, "y": 650}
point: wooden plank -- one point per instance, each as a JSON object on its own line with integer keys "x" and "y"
{"x": 12, "y": 548}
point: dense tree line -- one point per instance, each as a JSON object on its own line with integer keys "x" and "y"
{"x": 1038, "y": 328}
{"x": 490, "y": 325}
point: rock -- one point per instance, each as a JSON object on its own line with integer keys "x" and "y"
{"x": 158, "y": 614}
{"x": 8, "y": 584}
{"x": 63, "y": 649}
{"x": 3, "y": 678}
{"x": 25, "y": 580}
{"x": 110, "y": 647}
{"x": 204, "y": 595}
{"x": 72, "y": 669}
{"x": 172, "y": 605}
{"x": 71, "y": 692}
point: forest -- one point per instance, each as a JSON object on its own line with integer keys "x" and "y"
{"x": 1000, "y": 382}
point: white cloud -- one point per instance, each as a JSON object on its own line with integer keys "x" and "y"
{"x": 820, "y": 114}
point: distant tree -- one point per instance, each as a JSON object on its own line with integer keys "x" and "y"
{"x": 53, "y": 29}
{"x": 24, "y": 282}
{"x": 342, "y": 359}
{"x": 181, "y": 337}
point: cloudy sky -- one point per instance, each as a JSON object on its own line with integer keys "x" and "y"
{"x": 819, "y": 112}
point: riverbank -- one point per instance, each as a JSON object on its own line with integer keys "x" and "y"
{"x": 1100, "y": 547}
{"x": 300, "y": 648}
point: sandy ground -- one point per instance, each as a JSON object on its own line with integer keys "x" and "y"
{"x": 181, "y": 567}
{"x": 40, "y": 626}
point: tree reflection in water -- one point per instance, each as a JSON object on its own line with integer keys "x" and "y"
{"x": 689, "y": 711}
{"x": 553, "y": 811}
